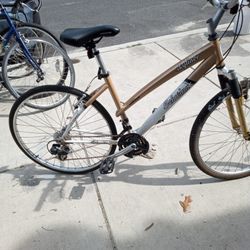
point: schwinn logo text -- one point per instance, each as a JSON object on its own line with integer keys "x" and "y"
{"x": 177, "y": 94}
{"x": 186, "y": 63}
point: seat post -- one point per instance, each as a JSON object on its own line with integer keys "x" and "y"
{"x": 104, "y": 72}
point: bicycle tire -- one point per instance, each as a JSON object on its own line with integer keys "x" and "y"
{"x": 38, "y": 31}
{"x": 216, "y": 148}
{"x": 36, "y": 132}
{"x": 19, "y": 75}
{"x": 33, "y": 30}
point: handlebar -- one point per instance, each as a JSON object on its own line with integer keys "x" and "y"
{"x": 20, "y": 3}
{"x": 224, "y": 4}
{"x": 36, "y": 9}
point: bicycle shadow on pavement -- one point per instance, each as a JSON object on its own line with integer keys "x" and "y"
{"x": 165, "y": 174}
{"x": 178, "y": 173}
{"x": 53, "y": 185}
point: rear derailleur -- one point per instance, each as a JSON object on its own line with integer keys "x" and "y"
{"x": 61, "y": 151}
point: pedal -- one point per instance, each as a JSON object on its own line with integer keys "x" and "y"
{"x": 107, "y": 166}
{"x": 162, "y": 119}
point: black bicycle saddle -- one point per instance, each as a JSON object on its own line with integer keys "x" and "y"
{"x": 79, "y": 37}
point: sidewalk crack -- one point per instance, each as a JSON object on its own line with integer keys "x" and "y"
{"x": 104, "y": 214}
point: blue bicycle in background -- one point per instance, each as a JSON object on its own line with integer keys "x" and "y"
{"x": 21, "y": 12}
{"x": 31, "y": 55}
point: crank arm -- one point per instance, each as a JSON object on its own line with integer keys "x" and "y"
{"x": 124, "y": 151}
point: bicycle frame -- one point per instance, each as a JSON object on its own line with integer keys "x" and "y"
{"x": 208, "y": 56}
{"x": 12, "y": 30}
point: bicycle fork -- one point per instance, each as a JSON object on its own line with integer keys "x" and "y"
{"x": 237, "y": 117}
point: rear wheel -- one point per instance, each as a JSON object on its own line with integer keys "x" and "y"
{"x": 216, "y": 148}
{"x": 29, "y": 30}
{"x": 38, "y": 131}
{"x": 19, "y": 75}
{"x": 38, "y": 31}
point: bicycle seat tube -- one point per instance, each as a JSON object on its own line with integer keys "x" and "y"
{"x": 104, "y": 73}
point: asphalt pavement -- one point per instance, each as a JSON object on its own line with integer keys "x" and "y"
{"x": 138, "y": 205}
{"x": 137, "y": 19}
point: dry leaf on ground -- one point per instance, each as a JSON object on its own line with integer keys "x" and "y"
{"x": 186, "y": 203}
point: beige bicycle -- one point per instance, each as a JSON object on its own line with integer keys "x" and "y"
{"x": 67, "y": 130}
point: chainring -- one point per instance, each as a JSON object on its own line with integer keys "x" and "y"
{"x": 142, "y": 145}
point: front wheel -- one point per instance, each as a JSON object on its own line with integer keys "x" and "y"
{"x": 216, "y": 148}
{"x": 53, "y": 138}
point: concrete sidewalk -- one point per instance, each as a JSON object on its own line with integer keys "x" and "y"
{"x": 137, "y": 206}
